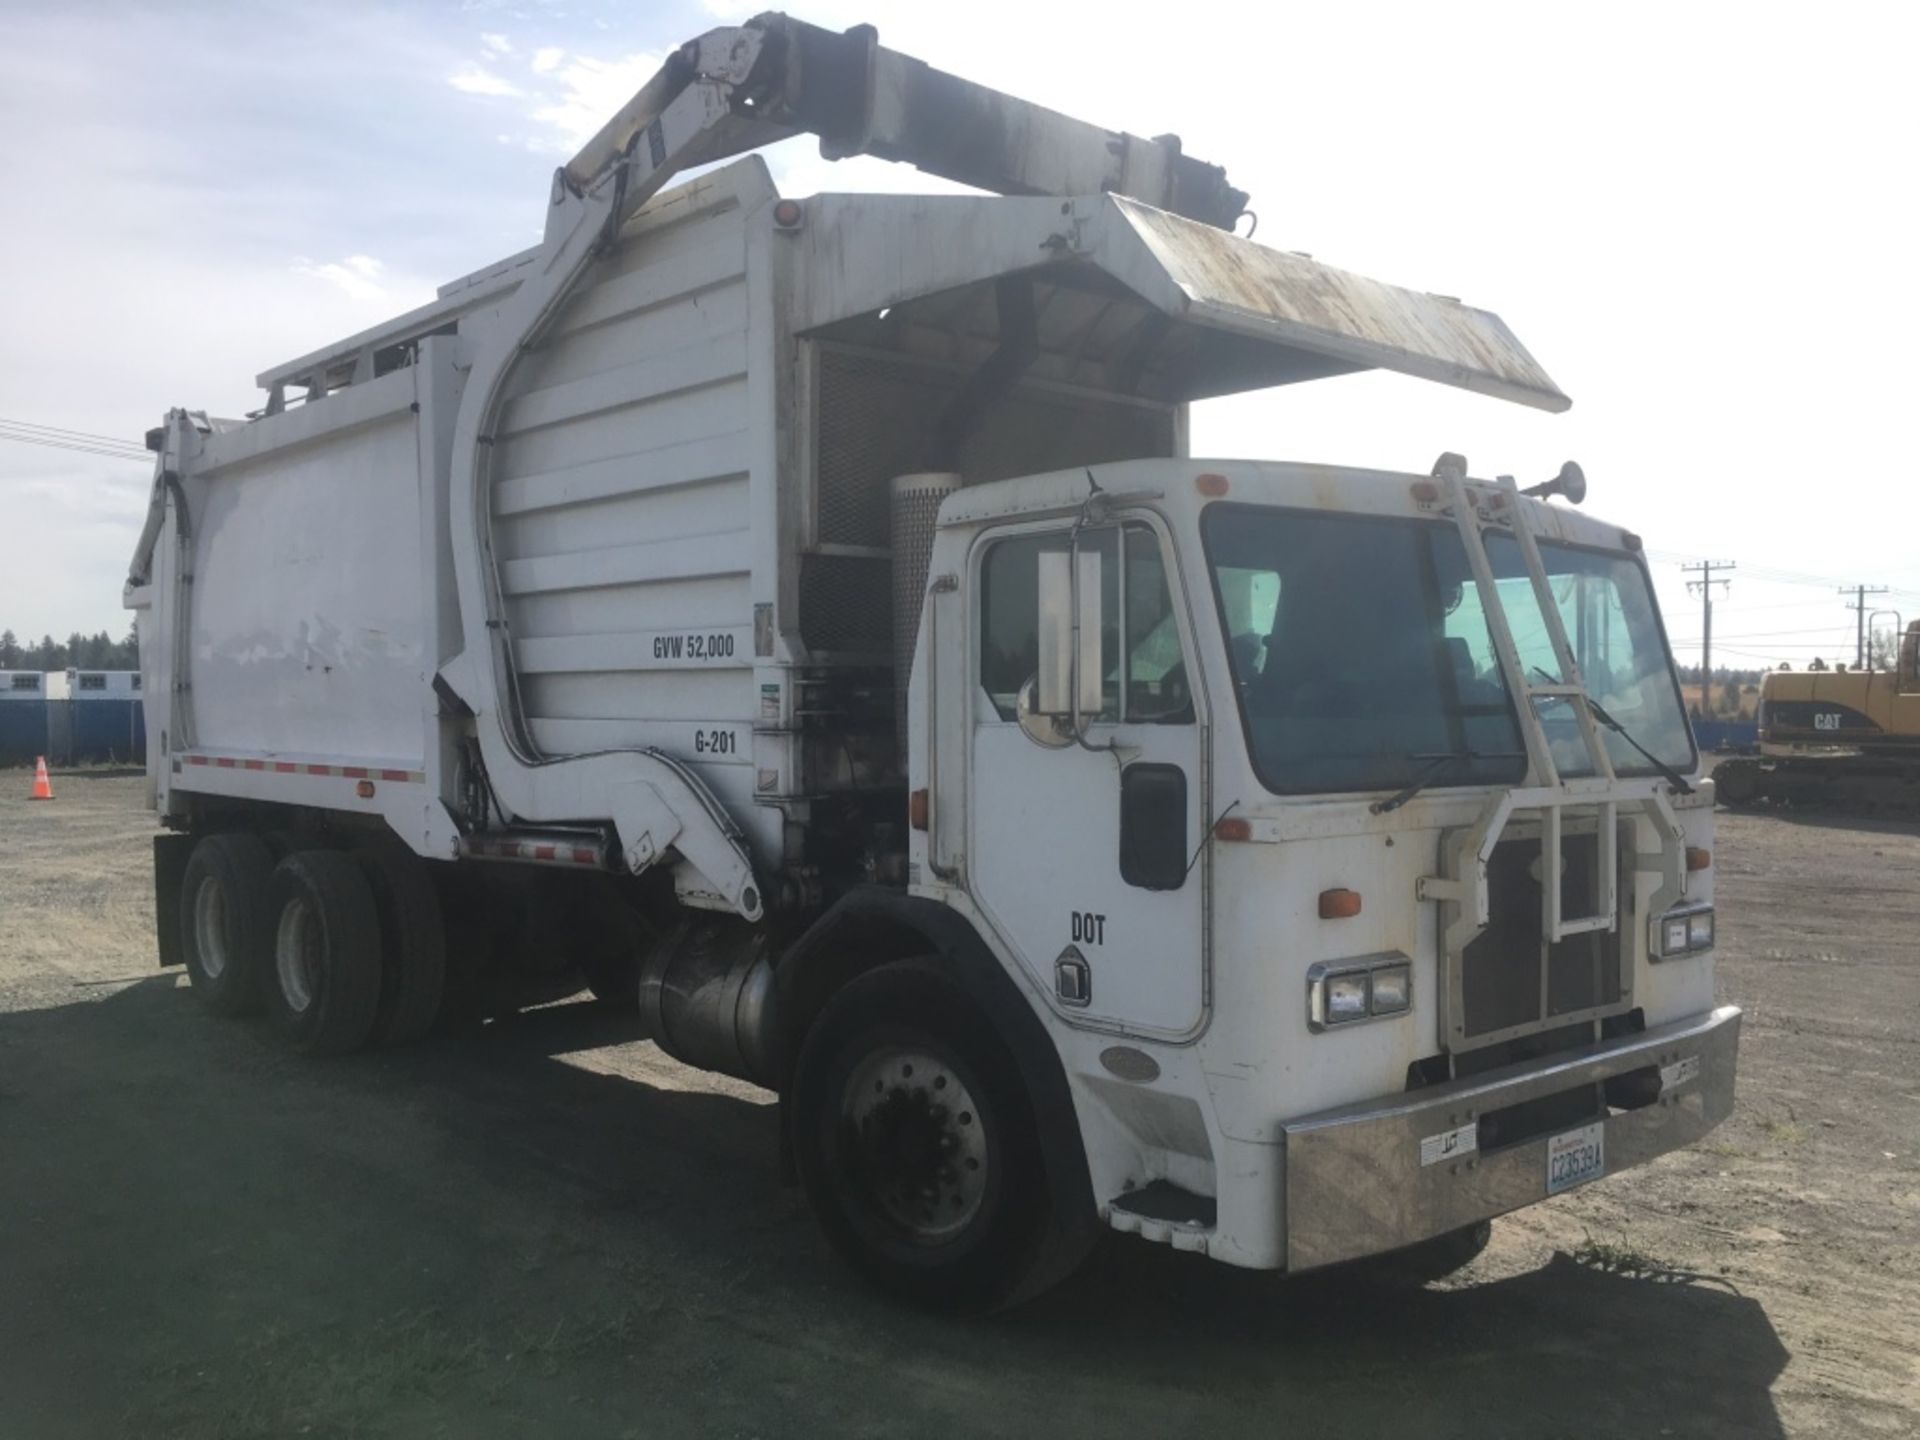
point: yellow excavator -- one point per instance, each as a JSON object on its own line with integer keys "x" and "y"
{"x": 1848, "y": 739}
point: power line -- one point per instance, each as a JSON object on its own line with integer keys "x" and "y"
{"x": 61, "y": 430}
{"x": 110, "y": 452}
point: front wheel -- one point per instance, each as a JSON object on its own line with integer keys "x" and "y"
{"x": 917, "y": 1145}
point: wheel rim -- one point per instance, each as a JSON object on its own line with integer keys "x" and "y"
{"x": 210, "y": 930}
{"x": 296, "y": 954}
{"x": 919, "y": 1141}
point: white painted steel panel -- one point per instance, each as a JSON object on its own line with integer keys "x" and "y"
{"x": 309, "y": 604}
{"x": 622, "y": 496}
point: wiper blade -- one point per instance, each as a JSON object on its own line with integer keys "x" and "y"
{"x": 1599, "y": 712}
{"x": 1430, "y": 770}
{"x": 1672, "y": 775}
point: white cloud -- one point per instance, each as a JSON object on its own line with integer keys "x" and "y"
{"x": 590, "y": 91}
{"x": 496, "y": 44}
{"x": 357, "y": 275}
{"x": 732, "y": 9}
{"x": 547, "y": 59}
{"x": 476, "y": 80}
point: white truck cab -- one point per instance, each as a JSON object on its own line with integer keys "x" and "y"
{"x": 1273, "y": 868}
{"x": 804, "y": 620}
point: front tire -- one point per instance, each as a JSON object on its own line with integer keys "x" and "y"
{"x": 225, "y": 921}
{"x": 917, "y": 1145}
{"x": 324, "y": 989}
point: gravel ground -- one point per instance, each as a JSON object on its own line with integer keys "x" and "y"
{"x": 546, "y": 1227}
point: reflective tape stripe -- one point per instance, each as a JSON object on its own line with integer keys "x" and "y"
{"x": 292, "y": 767}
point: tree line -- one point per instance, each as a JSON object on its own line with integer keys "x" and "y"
{"x": 99, "y": 651}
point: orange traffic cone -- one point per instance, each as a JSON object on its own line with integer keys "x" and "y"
{"x": 42, "y": 786}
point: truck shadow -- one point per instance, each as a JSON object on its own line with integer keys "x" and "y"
{"x": 513, "y": 1120}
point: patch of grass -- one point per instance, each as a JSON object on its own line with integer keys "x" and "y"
{"x": 1787, "y": 1132}
{"x": 1617, "y": 1259}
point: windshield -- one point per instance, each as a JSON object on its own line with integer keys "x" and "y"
{"x": 1361, "y": 652}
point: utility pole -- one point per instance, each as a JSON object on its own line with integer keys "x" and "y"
{"x": 1705, "y": 585}
{"x": 1860, "y": 593}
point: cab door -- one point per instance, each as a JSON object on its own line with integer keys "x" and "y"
{"x": 1084, "y": 852}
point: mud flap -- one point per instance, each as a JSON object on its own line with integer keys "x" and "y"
{"x": 170, "y": 854}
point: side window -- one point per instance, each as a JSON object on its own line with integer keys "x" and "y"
{"x": 1010, "y": 615}
{"x": 1152, "y": 685}
{"x": 1158, "y": 686}
{"x": 1250, "y": 602}
{"x": 93, "y": 682}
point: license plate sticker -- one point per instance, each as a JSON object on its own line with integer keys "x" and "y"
{"x": 1450, "y": 1144}
{"x": 1576, "y": 1157}
{"x": 1673, "y": 1076}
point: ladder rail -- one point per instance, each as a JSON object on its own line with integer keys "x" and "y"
{"x": 1544, "y": 776}
{"x": 1571, "y": 684}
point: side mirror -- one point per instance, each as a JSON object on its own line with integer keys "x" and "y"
{"x": 1068, "y": 684}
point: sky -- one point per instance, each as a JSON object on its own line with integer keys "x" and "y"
{"x": 1700, "y": 219}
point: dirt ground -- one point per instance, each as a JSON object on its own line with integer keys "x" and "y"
{"x": 545, "y": 1228}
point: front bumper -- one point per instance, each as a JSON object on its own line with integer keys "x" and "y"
{"x": 1372, "y": 1177}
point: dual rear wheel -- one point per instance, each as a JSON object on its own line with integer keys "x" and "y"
{"x": 340, "y": 948}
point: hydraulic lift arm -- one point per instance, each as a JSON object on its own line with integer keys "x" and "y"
{"x": 775, "y": 77}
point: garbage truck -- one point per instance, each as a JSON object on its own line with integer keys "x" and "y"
{"x": 804, "y": 619}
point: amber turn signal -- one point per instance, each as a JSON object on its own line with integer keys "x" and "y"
{"x": 364, "y": 789}
{"x": 917, "y": 809}
{"x": 1211, "y": 485}
{"x": 1234, "y": 827}
{"x": 1697, "y": 858}
{"x": 1339, "y": 904}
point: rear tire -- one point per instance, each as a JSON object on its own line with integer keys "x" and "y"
{"x": 917, "y": 1145}
{"x": 226, "y": 921}
{"x": 413, "y": 943}
{"x": 324, "y": 987}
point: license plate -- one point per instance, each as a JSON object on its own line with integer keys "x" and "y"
{"x": 1576, "y": 1157}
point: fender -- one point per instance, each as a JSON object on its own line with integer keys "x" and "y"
{"x": 869, "y": 926}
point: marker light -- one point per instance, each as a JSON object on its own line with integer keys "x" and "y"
{"x": 1339, "y": 904}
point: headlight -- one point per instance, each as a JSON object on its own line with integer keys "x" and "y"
{"x": 1392, "y": 989}
{"x": 1372, "y": 987}
{"x": 1684, "y": 932}
{"x": 1346, "y": 998}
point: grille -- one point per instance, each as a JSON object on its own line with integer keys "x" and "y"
{"x": 846, "y": 603}
{"x": 874, "y": 416}
{"x": 1501, "y": 971}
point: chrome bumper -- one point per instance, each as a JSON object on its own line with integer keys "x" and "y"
{"x": 1372, "y": 1177}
